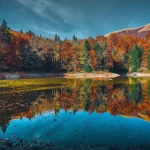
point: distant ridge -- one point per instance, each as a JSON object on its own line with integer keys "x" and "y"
{"x": 139, "y": 32}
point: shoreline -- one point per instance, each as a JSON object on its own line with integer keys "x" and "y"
{"x": 136, "y": 74}
{"x": 79, "y": 75}
{"x": 6, "y": 76}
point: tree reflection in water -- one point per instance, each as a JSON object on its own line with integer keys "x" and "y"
{"x": 121, "y": 96}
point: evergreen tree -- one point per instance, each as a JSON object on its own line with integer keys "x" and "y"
{"x": 21, "y": 31}
{"x": 135, "y": 58}
{"x": 86, "y": 66}
{"x": 5, "y": 30}
{"x": 30, "y": 33}
{"x": 96, "y": 47}
{"x": 74, "y": 38}
{"x": 57, "y": 38}
{"x": 87, "y": 45}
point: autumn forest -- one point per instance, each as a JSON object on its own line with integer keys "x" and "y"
{"x": 27, "y": 52}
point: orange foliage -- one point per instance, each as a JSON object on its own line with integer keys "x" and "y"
{"x": 93, "y": 59}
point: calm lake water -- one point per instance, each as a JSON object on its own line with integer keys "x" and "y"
{"x": 75, "y": 114}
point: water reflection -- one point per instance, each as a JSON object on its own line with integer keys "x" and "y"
{"x": 82, "y": 111}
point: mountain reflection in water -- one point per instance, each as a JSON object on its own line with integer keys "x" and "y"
{"x": 76, "y": 113}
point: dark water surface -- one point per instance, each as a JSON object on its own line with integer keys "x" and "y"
{"x": 75, "y": 114}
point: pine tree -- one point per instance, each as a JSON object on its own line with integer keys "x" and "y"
{"x": 30, "y": 33}
{"x": 21, "y": 31}
{"x": 135, "y": 58}
{"x": 87, "y": 45}
{"x": 57, "y": 38}
{"x": 97, "y": 49}
{"x": 5, "y": 30}
{"x": 74, "y": 38}
{"x": 86, "y": 66}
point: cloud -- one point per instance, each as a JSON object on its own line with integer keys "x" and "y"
{"x": 43, "y": 7}
{"x": 56, "y": 18}
{"x": 68, "y": 17}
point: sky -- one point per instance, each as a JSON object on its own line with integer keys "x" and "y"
{"x": 83, "y": 18}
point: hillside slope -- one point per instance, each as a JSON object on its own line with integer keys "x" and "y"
{"x": 139, "y": 32}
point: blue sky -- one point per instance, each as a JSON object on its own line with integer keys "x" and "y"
{"x": 80, "y": 17}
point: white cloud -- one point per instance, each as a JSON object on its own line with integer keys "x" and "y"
{"x": 41, "y": 8}
{"x": 63, "y": 20}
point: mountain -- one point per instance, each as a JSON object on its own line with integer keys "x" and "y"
{"x": 139, "y": 32}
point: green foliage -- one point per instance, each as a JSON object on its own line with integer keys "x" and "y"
{"x": 57, "y": 38}
{"x": 31, "y": 61}
{"x": 99, "y": 55}
{"x": 135, "y": 57}
{"x": 74, "y": 38}
{"x": 86, "y": 94}
{"x": 5, "y": 30}
{"x": 96, "y": 47}
{"x": 86, "y": 65}
{"x": 30, "y": 33}
{"x": 136, "y": 91}
{"x": 87, "y": 45}
{"x": 3, "y": 61}
{"x": 126, "y": 58}
{"x": 5, "y": 38}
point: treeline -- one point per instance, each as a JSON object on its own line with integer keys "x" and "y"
{"x": 30, "y": 53}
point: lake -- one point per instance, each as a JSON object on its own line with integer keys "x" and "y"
{"x": 59, "y": 113}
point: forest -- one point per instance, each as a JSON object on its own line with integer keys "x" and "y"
{"x": 28, "y": 52}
